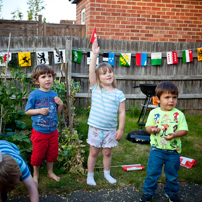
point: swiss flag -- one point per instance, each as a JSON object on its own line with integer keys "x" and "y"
{"x": 94, "y": 36}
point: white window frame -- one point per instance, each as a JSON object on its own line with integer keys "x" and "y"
{"x": 83, "y": 16}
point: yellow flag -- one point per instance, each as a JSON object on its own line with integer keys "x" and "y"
{"x": 199, "y": 54}
{"x": 24, "y": 59}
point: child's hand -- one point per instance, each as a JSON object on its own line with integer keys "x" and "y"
{"x": 119, "y": 134}
{"x": 44, "y": 111}
{"x": 95, "y": 48}
{"x": 58, "y": 101}
{"x": 155, "y": 129}
{"x": 170, "y": 137}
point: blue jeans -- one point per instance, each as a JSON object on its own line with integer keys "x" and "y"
{"x": 171, "y": 160}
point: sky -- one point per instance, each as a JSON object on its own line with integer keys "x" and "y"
{"x": 55, "y": 10}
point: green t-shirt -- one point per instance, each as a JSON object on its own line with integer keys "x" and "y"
{"x": 169, "y": 122}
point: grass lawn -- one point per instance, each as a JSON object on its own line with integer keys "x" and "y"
{"x": 124, "y": 154}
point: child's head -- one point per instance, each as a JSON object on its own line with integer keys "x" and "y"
{"x": 9, "y": 173}
{"x": 101, "y": 69}
{"x": 167, "y": 94}
{"x": 41, "y": 69}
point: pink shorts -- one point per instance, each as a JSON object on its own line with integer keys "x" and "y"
{"x": 101, "y": 138}
{"x": 44, "y": 145}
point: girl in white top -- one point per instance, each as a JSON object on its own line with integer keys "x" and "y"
{"x": 107, "y": 101}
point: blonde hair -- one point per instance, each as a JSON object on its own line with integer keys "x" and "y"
{"x": 42, "y": 69}
{"x": 9, "y": 173}
{"x": 103, "y": 67}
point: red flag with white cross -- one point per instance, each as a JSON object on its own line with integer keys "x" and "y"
{"x": 94, "y": 36}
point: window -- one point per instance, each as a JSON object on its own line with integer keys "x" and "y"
{"x": 83, "y": 16}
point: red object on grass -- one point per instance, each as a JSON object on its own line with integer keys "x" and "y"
{"x": 94, "y": 36}
{"x": 133, "y": 167}
{"x": 187, "y": 162}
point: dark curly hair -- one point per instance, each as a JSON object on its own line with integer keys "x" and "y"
{"x": 42, "y": 69}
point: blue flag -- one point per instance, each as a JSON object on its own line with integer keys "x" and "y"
{"x": 141, "y": 59}
{"x": 111, "y": 59}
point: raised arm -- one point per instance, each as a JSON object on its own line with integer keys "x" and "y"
{"x": 92, "y": 66}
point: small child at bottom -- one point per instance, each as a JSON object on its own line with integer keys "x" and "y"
{"x": 13, "y": 169}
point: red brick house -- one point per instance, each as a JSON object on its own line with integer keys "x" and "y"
{"x": 142, "y": 20}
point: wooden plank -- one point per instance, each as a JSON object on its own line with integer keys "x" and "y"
{"x": 148, "y": 78}
{"x": 142, "y": 96}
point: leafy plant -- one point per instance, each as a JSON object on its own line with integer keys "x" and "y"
{"x": 11, "y": 96}
{"x": 22, "y": 141}
{"x": 60, "y": 88}
{"x": 35, "y": 6}
{"x": 71, "y": 152}
{"x": 17, "y": 14}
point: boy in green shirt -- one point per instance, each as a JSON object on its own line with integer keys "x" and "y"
{"x": 166, "y": 124}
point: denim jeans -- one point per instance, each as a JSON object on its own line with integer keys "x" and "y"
{"x": 171, "y": 160}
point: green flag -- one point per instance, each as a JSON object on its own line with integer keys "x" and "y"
{"x": 125, "y": 59}
{"x": 76, "y": 56}
{"x": 156, "y": 58}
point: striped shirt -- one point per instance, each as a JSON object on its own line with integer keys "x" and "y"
{"x": 12, "y": 150}
{"x": 104, "y": 108}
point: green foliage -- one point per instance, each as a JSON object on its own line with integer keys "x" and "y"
{"x": 22, "y": 141}
{"x": 35, "y": 7}
{"x": 17, "y": 15}
{"x": 71, "y": 152}
{"x": 11, "y": 96}
{"x": 133, "y": 111}
{"x": 60, "y": 88}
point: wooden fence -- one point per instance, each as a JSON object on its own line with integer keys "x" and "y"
{"x": 37, "y": 28}
{"x": 187, "y": 76}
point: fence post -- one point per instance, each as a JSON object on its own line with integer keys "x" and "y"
{"x": 40, "y": 25}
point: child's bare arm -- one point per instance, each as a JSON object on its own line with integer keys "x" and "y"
{"x": 43, "y": 111}
{"x": 92, "y": 66}
{"x": 179, "y": 133}
{"x": 32, "y": 189}
{"x": 152, "y": 129}
{"x": 119, "y": 133}
{"x": 59, "y": 102}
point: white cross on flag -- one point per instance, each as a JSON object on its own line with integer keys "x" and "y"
{"x": 94, "y": 36}
{"x": 172, "y": 57}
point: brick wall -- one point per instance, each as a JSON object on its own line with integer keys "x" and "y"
{"x": 143, "y": 20}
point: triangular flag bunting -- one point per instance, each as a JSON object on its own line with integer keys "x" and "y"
{"x": 187, "y": 56}
{"x": 199, "y": 54}
{"x": 24, "y": 59}
{"x": 172, "y": 57}
{"x": 141, "y": 59}
{"x": 89, "y": 56}
{"x": 76, "y": 56}
{"x": 43, "y": 57}
{"x": 125, "y": 59}
{"x": 111, "y": 59}
{"x": 94, "y": 36}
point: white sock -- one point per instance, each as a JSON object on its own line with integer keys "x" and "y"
{"x": 90, "y": 179}
{"x": 108, "y": 177}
